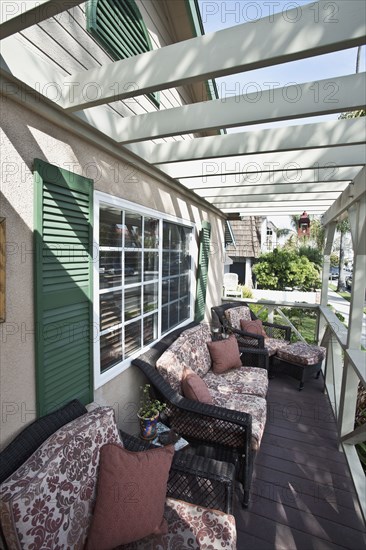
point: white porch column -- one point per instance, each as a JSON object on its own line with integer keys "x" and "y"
{"x": 248, "y": 273}
{"x": 357, "y": 218}
{"x": 329, "y": 237}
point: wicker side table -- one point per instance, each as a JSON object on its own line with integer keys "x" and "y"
{"x": 195, "y": 479}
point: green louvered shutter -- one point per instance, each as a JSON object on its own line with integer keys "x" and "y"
{"x": 204, "y": 254}
{"x": 119, "y": 27}
{"x": 63, "y": 285}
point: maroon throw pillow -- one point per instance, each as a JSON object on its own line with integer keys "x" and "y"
{"x": 130, "y": 496}
{"x": 225, "y": 354}
{"x": 254, "y": 326}
{"x": 193, "y": 387}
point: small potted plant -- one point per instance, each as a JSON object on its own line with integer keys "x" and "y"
{"x": 148, "y": 413}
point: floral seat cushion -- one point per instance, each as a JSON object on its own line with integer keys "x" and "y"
{"x": 249, "y": 380}
{"x": 302, "y": 353}
{"x": 192, "y": 527}
{"x": 48, "y": 501}
{"x": 274, "y": 345}
{"x": 250, "y": 404}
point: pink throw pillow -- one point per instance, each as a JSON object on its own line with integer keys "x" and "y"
{"x": 131, "y": 496}
{"x": 225, "y": 354}
{"x": 193, "y": 387}
{"x": 254, "y": 326}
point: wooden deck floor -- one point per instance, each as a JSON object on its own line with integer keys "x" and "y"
{"x": 302, "y": 494}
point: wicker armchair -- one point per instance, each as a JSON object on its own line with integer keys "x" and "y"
{"x": 215, "y": 432}
{"x": 277, "y": 335}
{"x": 200, "y": 481}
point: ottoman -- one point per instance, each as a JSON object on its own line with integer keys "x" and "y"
{"x": 299, "y": 360}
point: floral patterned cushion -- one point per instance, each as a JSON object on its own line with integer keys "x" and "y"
{"x": 250, "y": 380}
{"x": 172, "y": 362}
{"x": 302, "y": 353}
{"x": 251, "y": 404}
{"x": 192, "y": 527}
{"x": 189, "y": 350}
{"x": 48, "y": 501}
{"x": 235, "y": 314}
{"x": 200, "y": 358}
{"x": 275, "y": 344}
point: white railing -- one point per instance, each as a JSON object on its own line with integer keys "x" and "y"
{"x": 343, "y": 370}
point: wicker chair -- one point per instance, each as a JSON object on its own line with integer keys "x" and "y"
{"x": 230, "y": 440}
{"x": 201, "y": 481}
{"x": 277, "y": 335}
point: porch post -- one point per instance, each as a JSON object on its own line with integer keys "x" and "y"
{"x": 329, "y": 237}
{"x": 357, "y": 218}
{"x": 248, "y": 273}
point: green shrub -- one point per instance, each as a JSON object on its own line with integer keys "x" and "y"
{"x": 285, "y": 268}
{"x": 246, "y": 292}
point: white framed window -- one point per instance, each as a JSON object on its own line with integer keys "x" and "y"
{"x": 143, "y": 283}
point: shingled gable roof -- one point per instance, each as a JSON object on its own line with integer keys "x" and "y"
{"x": 247, "y": 234}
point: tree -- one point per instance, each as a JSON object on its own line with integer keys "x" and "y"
{"x": 285, "y": 268}
{"x": 313, "y": 255}
{"x": 334, "y": 260}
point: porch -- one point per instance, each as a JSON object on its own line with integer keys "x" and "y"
{"x": 303, "y": 425}
{"x": 302, "y": 492}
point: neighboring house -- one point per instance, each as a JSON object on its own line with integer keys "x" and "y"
{"x": 102, "y": 248}
{"x": 268, "y": 236}
{"x": 247, "y": 246}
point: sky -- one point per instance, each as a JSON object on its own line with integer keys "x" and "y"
{"x": 220, "y": 14}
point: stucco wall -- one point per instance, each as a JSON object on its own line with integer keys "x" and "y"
{"x": 26, "y": 136}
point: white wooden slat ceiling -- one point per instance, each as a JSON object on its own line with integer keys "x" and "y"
{"x": 257, "y": 172}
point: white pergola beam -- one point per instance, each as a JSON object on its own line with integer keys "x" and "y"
{"x": 305, "y": 136}
{"x": 251, "y": 177}
{"x": 242, "y": 190}
{"x": 259, "y": 207}
{"x": 293, "y": 208}
{"x": 19, "y": 15}
{"x": 294, "y": 34}
{"x": 328, "y": 198}
{"x": 352, "y": 194}
{"x": 346, "y": 93}
{"x": 314, "y": 159}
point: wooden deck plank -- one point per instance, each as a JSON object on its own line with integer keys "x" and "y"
{"x": 336, "y": 513}
{"x": 302, "y": 494}
{"x": 302, "y": 447}
{"x": 322, "y": 491}
{"x": 306, "y": 471}
{"x": 303, "y": 458}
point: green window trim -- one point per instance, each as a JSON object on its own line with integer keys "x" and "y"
{"x": 202, "y": 273}
{"x": 118, "y": 26}
{"x": 63, "y": 268}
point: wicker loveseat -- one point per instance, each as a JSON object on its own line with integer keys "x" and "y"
{"x": 228, "y": 316}
{"x": 231, "y": 425}
{"x": 49, "y": 478}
